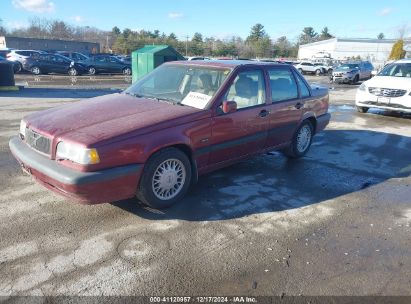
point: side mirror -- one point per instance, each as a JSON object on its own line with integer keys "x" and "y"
{"x": 229, "y": 106}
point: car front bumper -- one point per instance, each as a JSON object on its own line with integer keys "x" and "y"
{"x": 343, "y": 78}
{"x": 107, "y": 185}
{"x": 398, "y": 104}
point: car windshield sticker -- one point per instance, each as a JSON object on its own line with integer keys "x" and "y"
{"x": 196, "y": 100}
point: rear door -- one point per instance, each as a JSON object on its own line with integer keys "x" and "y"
{"x": 285, "y": 104}
{"x": 242, "y": 132}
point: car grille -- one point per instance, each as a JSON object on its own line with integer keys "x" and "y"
{"x": 387, "y": 92}
{"x": 338, "y": 74}
{"x": 37, "y": 141}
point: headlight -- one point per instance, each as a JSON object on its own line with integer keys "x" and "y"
{"x": 77, "y": 153}
{"x": 23, "y": 126}
{"x": 362, "y": 87}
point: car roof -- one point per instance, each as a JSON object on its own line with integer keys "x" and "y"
{"x": 225, "y": 63}
{"x": 406, "y": 60}
{"x": 28, "y": 51}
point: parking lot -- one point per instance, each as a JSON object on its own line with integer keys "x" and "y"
{"x": 336, "y": 222}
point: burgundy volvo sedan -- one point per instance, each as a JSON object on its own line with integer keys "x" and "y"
{"x": 182, "y": 120}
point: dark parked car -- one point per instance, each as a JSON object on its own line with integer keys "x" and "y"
{"x": 74, "y": 56}
{"x": 16, "y": 65}
{"x": 107, "y": 64}
{"x": 182, "y": 120}
{"x": 53, "y": 63}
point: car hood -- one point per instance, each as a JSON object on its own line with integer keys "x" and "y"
{"x": 95, "y": 120}
{"x": 345, "y": 70}
{"x": 390, "y": 82}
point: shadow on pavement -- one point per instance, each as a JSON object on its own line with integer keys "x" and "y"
{"x": 339, "y": 162}
{"x": 58, "y": 93}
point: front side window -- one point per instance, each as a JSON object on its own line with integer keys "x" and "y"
{"x": 181, "y": 84}
{"x": 397, "y": 70}
{"x": 247, "y": 89}
{"x": 283, "y": 85}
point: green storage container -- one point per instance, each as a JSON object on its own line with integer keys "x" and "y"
{"x": 149, "y": 57}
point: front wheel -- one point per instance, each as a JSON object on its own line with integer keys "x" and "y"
{"x": 356, "y": 79}
{"x": 301, "y": 142}
{"x": 166, "y": 178}
{"x": 317, "y": 72}
{"x": 92, "y": 70}
{"x": 36, "y": 70}
{"x": 127, "y": 71}
{"x": 301, "y": 71}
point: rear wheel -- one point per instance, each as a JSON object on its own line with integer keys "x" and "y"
{"x": 72, "y": 72}
{"x": 301, "y": 142}
{"x": 127, "y": 71}
{"x": 35, "y": 70}
{"x": 17, "y": 67}
{"x": 166, "y": 178}
{"x": 362, "y": 109}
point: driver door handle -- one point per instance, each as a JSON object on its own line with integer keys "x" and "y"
{"x": 298, "y": 105}
{"x": 264, "y": 113}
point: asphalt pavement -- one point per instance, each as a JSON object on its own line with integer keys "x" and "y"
{"x": 336, "y": 222}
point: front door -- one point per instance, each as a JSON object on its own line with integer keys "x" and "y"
{"x": 244, "y": 131}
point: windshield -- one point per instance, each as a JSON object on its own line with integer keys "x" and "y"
{"x": 181, "y": 84}
{"x": 397, "y": 70}
{"x": 348, "y": 66}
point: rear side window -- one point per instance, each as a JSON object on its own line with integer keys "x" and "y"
{"x": 23, "y": 53}
{"x": 304, "y": 91}
{"x": 283, "y": 85}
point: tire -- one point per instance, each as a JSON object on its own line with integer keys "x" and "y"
{"x": 330, "y": 71}
{"x": 362, "y": 109}
{"x": 301, "y": 141}
{"x": 355, "y": 80}
{"x": 35, "y": 70}
{"x": 154, "y": 181}
{"x": 92, "y": 70}
{"x": 127, "y": 71}
{"x": 301, "y": 71}
{"x": 317, "y": 72}
{"x": 72, "y": 72}
{"x": 17, "y": 67}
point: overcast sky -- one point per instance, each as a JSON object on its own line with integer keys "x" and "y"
{"x": 219, "y": 18}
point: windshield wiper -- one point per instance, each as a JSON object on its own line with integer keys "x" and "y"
{"x": 168, "y": 100}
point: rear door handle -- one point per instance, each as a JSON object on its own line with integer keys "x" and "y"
{"x": 298, "y": 105}
{"x": 264, "y": 113}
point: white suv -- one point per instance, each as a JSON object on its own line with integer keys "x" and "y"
{"x": 389, "y": 90}
{"x": 21, "y": 55}
{"x": 309, "y": 67}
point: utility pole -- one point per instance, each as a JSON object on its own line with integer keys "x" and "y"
{"x": 187, "y": 44}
